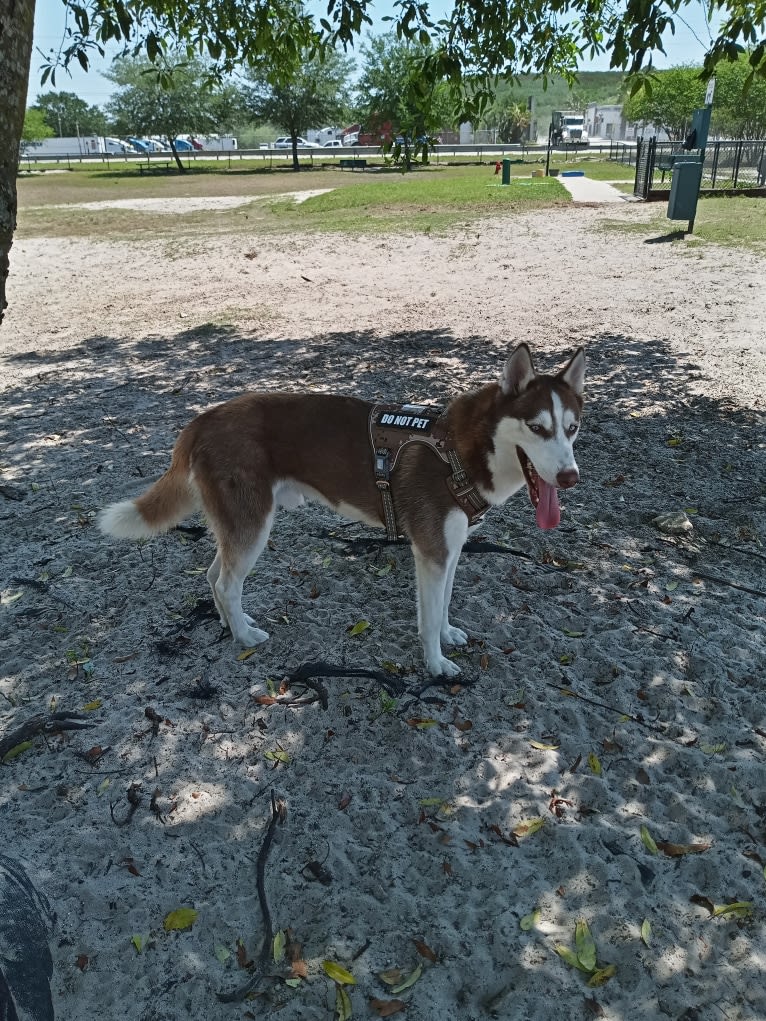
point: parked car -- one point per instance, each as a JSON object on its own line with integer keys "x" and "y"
{"x": 285, "y": 142}
{"x": 183, "y": 145}
{"x": 334, "y": 143}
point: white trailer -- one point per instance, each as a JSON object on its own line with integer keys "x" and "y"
{"x": 219, "y": 143}
{"x": 83, "y": 145}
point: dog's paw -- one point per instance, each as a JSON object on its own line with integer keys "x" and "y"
{"x": 454, "y": 636}
{"x": 251, "y": 636}
{"x": 443, "y": 667}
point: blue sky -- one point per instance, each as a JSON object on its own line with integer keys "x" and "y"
{"x": 683, "y": 47}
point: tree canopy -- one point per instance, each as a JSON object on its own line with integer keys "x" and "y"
{"x": 736, "y": 114}
{"x": 392, "y": 88}
{"x": 668, "y": 99}
{"x": 181, "y": 100}
{"x": 68, "y": 115}
{"x": 316, "y": 92}
{"x": 476, "y": 38}
{"x": 35, "y": 127}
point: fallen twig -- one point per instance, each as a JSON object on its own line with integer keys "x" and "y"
{"x": 134, "y": 800}
{"x": 442, "y": 682}
{"x": 731, "y": 584}
{"x": 473, "y": 546}
{"x": 51, "y": 723}
{"x": 278, "y": 816}
{"x": 563, "y": 690}
{"x": 749, "y": 553}
{"x": 306, "y": 671}
{"x": 199, "y": 855}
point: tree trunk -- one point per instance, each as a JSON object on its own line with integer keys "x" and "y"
{"x": 176, "y": 157}
{"x": 16, "y": 25}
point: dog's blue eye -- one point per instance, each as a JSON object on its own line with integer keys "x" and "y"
{"x": 573, "y": 428}
{"x": 535, "y": 427}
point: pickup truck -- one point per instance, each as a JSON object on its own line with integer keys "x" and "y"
{"x": 285, "y": 142}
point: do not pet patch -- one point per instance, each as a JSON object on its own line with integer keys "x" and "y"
{"x": 412, "y": 417}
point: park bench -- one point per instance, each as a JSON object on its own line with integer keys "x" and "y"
{"x": 155, "y": 167}
{"x": 352, "y": 164}
{"x": 666, "y": 162}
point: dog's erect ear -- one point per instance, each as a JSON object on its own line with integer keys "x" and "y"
{"x": 574, "y": 373}
{"x": 518, "y": 371}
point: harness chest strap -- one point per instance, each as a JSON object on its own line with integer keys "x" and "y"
{"x": 393, "y": 427}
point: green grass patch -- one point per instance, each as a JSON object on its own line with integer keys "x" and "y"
{"x": 428, "y": 199}
{"x": 737, "y": 222}
{"x": 595, "y": 168}
{"x": 425, "y": 201}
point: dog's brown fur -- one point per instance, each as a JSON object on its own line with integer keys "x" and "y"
{"x": 240, "y": 460}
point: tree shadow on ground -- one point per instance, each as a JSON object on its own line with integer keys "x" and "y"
{"x": 617, "y": 682}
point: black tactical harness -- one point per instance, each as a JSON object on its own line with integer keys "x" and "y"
{"x": 393, "y": 427}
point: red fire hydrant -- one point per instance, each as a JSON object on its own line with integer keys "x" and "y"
{"x": 498, "y": 167}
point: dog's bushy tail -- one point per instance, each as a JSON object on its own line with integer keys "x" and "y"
{"x": 172, "y": 498}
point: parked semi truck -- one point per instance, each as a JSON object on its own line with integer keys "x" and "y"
{"x": 82, "y": 145}
{"x": 568, "y": 128}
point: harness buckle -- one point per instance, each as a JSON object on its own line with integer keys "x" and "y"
{"x": 460, "y": 490}
{"x": 382, "y": 470}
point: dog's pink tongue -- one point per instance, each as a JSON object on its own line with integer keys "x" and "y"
{"x": 547, "y": 512}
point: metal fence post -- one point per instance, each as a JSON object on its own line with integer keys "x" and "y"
{"x": 714, "y": 170}
{"x": 737, "y": 161}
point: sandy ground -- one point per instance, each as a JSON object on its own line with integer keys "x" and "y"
{"x": 615, "y": 678}
{"x": 169, "y": 206}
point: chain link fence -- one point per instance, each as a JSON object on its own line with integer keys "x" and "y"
{"x": 728, "y": 165}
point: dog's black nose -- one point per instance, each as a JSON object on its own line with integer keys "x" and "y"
{"x": 568, "y": 478}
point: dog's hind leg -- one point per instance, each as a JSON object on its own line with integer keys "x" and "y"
{"x": 235, "y": 563}
{"x": 212, "y": 576}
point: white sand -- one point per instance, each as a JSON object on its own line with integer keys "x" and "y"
{"x": 189, "y": 204}
{"x": 109, "y": 349}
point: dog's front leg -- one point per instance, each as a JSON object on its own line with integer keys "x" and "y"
{"x": 455, "y": 535}
{"x": 432, "y": 578}
{"x": 450, "y": 634}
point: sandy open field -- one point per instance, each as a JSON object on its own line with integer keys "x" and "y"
{"x": 615, "y": 678}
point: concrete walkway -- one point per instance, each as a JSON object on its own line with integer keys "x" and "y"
{"x": 583, "y": 189}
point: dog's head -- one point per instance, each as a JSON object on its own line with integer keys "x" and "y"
{"x": 541, "y": 419}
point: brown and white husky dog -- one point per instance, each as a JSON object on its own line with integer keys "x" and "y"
{"x": 241, "y": 460}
